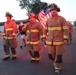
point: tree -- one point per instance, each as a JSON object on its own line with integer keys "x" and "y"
{"x": 34, "y": 6}
{"x": 74, "y": 23}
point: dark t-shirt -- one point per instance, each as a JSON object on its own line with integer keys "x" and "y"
{"x": 20, "y": 29}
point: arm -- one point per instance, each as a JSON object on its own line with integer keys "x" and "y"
{"x": 14, "y": 28}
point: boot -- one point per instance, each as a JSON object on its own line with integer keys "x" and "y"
{"x": 13, "y": 58}
{"x": 21, "y": 47}
{"x": 7, "y": 54}
{"x": 37, "y": 56}
{"x": 13, "y": 53}
{"x": 6, "y": 58}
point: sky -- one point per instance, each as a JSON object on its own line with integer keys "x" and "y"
{"x": 68, "y": 9}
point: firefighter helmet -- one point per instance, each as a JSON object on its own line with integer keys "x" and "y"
{"x": 8, "y": 14}
{"x": 32, "y": 15}
{"x": 54, "y": 6}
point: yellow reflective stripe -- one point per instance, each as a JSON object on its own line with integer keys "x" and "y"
{"x": 14, "y": 55}
{"x": 54, "y": 43}
{"x": 33, "y": 58}
{"x": 58, "y": 43}
{"x": 65, "y": 36}
{"x": 28, "y": 31}
{"x": 54, "y": 28}
{"x": 57, "y": 68}
{"x": 36, "y": 42}
{"x": 65, "y": 27}
{"x": 48, "y": 43}
{"x": 7, "y": 55}
{"x": 45, "y": 28}
{"x": 5, "y": 37}
{"x": 44, "y": 35}
{"x": 9, "y": 29}
{"x": 41, "y": 36}
{"x": 34, "y": 30}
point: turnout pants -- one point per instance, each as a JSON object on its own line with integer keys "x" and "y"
{"x": 34, "y": 50}
{"x": 55, "y": 53}
{"x": 9, "y": 44}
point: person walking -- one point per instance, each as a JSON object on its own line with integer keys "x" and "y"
{"x": 22, "y": 34}
{"x": 34, "y": 30}
{"x": 57, "y": 30}
{"x": 9, "y": 37}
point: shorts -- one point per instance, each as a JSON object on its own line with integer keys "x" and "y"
{"x": 23, "y": 36}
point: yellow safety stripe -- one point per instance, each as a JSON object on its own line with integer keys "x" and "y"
{"x": 48, "y": 43}
{"x": 7, "y": 55}
{"x": 45, "y": 28}
{"x": 54, "y": 43}
{"x": 44, "y": 35}
{"x": 41, "y": 36}
{"x": 14, "y": 55}
{"x": 36, "y": 42}
{"x": 38, "y": 58}
{"x": 33, "y": 58}
{"x": 9, "y": 29}
{"x": 5, "y": 37}
{"x": 33, "y": 30}
{"x": 65, "y": 36}
{"x": 58, "y": 43}
{"x": 28, "y": 31}
{"x": 57, "y": 68}
{"x": 54, "y": 28}
{"x": 65, "y": 27}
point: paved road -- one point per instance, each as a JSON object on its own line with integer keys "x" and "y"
{"x": 22, "y": 65}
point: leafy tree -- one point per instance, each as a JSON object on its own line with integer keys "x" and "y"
{"x": 34, "y": 6}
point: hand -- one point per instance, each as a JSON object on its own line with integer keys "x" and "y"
{"x": 65, "y": 41}
{"x": 44, "y": 39}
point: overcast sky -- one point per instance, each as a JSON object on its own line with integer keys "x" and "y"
{"x": 68, "y": 9}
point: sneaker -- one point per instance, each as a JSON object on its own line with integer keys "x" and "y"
{"x": 13, "y": 58}
{"x": 21, "y": 47}
{"x": 45, "y": 45}
{"x": 6, "y": 58}
{"x": 57, "y": 71}
{"x": 24, "y": 45}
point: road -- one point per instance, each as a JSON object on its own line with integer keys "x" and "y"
{"x": 22, "y": 65}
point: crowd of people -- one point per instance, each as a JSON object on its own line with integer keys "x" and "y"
{"x": 57, "y": 29}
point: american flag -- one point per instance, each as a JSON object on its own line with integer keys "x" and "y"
{"x": 43, "y": 16}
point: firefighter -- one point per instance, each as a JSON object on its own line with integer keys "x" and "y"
{"x": 9, "y": 37}
{"x": 56, "y": 27}
{"x": 70, "y": 30}
{"x": 33, "y": 30}
{"x": 22, "y": 33}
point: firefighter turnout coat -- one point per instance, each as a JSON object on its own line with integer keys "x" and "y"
{"x": 10, "y": 30}
{"x": 33, "y": 33}
{"x": 57, "y": 31}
